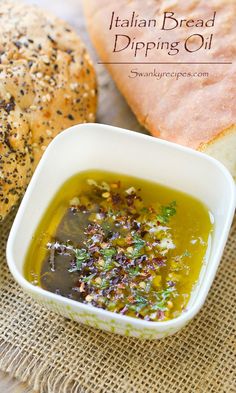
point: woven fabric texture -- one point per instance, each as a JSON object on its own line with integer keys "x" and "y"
{"x": 55, "y": 355}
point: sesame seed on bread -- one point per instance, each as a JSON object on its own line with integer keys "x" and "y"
{"x": 47, "y": 84}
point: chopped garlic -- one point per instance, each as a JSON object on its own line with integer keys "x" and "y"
{"x": 130, "y": 190}
{"x": 74, "y": 201}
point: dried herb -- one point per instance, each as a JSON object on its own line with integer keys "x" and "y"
{"x": 138, "y": 243}
{"x": 186, "y": 254}
{"x": 88, "y": 278}
{"x": 82, "y": 256}
{"x": 108, "y": 254}
{"x": 134, "y": 271}
{"x": 166, "y": 213}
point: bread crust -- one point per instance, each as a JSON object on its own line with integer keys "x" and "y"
{"x": 223, "y": 148}
{"x": 47, "y": 76}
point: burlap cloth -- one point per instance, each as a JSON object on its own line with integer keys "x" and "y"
{"x": 56, "y": 355}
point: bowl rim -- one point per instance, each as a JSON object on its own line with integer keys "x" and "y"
{"x": 186, "y": 315}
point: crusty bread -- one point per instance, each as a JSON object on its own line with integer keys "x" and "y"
{"x": 47, "y": 83}
{"x": 199, "y": 112}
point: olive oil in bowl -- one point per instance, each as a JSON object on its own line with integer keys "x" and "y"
{"x": 122, "y": 244}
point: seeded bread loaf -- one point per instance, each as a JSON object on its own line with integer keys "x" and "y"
{"x": 47, "y": 83}
{"x": 199, "y": 110}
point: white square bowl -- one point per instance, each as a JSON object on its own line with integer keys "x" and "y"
{"x": 96, "y": 146}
